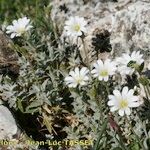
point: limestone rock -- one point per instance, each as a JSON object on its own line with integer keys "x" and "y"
{"x": 8, "y": 126}
{"x": 127, "y": 21}
{"x": 131, "y": 28}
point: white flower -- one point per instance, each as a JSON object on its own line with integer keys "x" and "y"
{"x": 102, "y": 70}
{"x": 75, "y": 26}
{"x": 19, "y": 27}
{"x": 8, "y": 126}
{"x": 143, "y": 92}
{"x": 77, "y": 77}
{"x": 123, "y": 101}
{"x": 123, "y": 62}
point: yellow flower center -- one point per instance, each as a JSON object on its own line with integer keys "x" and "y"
{"x": 104, "y": 73}
{"x": 123, "y": 103}
{"x": 79, "y": 80}
{"x": 21, "y": 30}
{"x": 77, "y": 27}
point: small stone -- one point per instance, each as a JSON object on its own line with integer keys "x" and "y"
{"x": 8, "y": 126}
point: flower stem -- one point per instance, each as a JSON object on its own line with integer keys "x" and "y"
{"x": 120, "y": 141}
{"x": 103, "y": 130}
{"x": 86, "y": 55}
{"x": 136, "y": 136}
{"x": 105, "y": 84}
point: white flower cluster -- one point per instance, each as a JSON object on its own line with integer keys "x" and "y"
{"x": 103, "y": 69}
{"x": 121, "y": 101}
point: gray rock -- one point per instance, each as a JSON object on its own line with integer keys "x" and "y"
{"x": 8, "y": 126}
{"x": 8, "y": 57}
{"x": 131, "y": 28}
{"x": 127, "y": 21}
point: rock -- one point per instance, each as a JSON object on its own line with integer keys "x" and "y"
{"x": 8, "y": 126}
{"x": 131, "y": 28}
{"x": 127, "y": 21}
{"x": 8, "y": 57}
